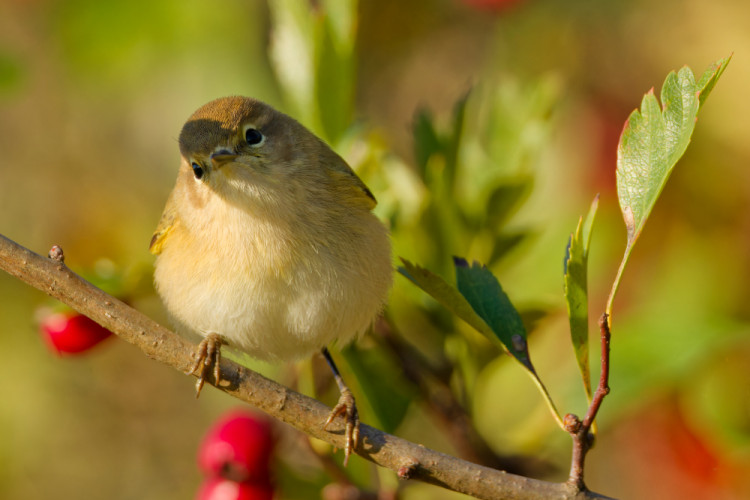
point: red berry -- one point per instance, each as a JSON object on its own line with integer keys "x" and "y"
{"x": 72, "y": 333}
{"x": 217, "y": 488}
{"x": 238, "y": 447}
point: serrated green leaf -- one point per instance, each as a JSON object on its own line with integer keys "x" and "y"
{"x": 576, "y": 292}
{"x": 479, "y": 300}
{"x": 508, "y": 322}
{"x": 653, "y": 140}
{"x": 649, "y": 148}
{"x": 447, "y": 295}
{"x": 485, "y": 295}
{"x": 710, "y": 77}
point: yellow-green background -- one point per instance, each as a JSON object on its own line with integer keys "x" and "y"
{"x": 92, "y": 98}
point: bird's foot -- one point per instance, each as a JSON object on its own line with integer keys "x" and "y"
{"x": 207, "y": 354}
{"x": 348, "y": 409}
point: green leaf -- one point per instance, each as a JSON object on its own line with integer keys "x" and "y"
{"x": 481, "y": 302}
{"x": 446, "y": 295}
{"x": 654, "y": 138}
{"x": 710, "y": 77}
{"x": 652, "y": 141}
{"x": 576, "y": 292}
{"x": 485, "y": 295}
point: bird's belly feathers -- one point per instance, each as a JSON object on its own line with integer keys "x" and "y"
{"x": 273, "y": 300}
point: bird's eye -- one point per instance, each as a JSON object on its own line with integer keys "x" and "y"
{"x": 197, "y": 170}
{"x": 253, "y": 136}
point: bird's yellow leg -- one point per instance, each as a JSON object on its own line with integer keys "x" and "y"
{"x": 345, "y": 407}
{"x": 207, "y": 354}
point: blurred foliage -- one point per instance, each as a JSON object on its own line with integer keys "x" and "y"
{"x": 483, "y": 133}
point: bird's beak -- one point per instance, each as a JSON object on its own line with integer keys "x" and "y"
{"x": 222, "y": 157}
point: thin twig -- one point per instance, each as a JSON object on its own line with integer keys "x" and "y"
{"x": 297, "y": 410}
{"x": 579, "y": 430}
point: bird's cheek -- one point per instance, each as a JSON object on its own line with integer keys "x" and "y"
{"x": 238, "y": 173}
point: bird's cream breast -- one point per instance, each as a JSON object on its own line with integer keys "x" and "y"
{"x": 273, "y": 287}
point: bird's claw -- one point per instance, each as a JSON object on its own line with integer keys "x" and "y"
{"x": 206, "y": 355}
{"x": 348, "y": 409}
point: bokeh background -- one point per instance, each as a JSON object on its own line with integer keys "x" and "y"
{"x": 92, "y": 98}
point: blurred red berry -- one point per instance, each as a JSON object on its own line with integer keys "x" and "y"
{"x": 238, "y": 447}
{"x": 72, "y": 333}
{"x": 217, "y": 488}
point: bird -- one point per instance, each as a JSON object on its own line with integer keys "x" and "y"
{"x": 268, "y": 244}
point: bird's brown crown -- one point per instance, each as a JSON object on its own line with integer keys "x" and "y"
{"x": 218, "y": 121}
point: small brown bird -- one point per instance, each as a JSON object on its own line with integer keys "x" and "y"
{"x": 268, "y": 243}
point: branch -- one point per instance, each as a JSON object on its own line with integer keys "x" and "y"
{"x": 408, "y": 460}
{"x": 579, "y": 430}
